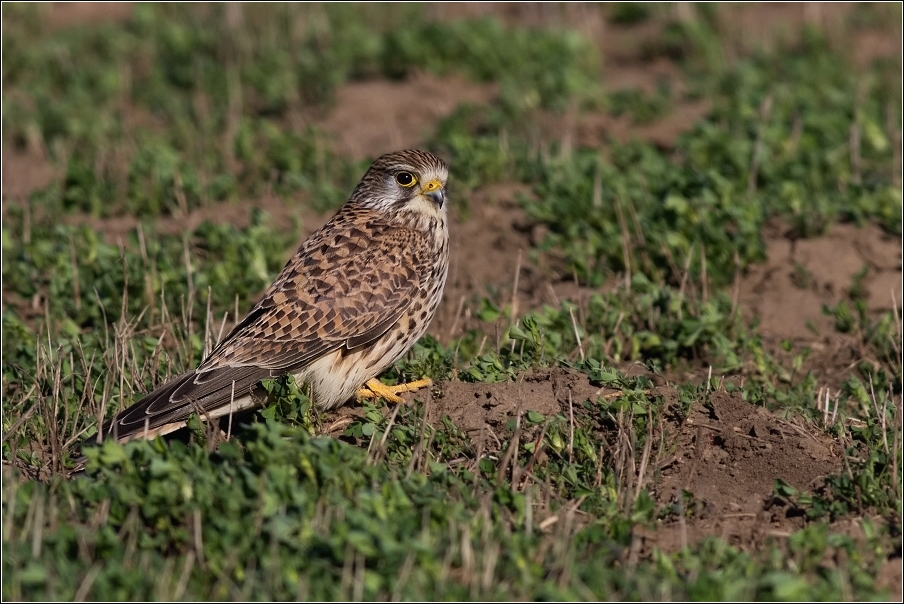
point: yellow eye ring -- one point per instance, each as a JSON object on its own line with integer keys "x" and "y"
{"x": 406, "y": 179}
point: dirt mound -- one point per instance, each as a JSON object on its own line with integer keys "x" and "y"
{"x": 474, "y": 407}
{"x": 727, "y": 453}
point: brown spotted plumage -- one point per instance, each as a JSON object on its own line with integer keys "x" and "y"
{"x": 352, "y": 300}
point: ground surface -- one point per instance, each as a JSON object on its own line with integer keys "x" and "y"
{"x": 724, "y": 450}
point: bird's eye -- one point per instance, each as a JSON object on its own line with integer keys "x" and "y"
{"x": 406, "y": 179}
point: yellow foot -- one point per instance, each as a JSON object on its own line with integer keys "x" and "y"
{"x": 376, "y": 388}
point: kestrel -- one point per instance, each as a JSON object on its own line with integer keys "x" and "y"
{"x": 353, "y": 299}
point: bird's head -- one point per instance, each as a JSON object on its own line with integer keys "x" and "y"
{"x": 410, "y": 180}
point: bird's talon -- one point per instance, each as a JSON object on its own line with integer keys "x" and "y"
{"x": 377, "y": 389}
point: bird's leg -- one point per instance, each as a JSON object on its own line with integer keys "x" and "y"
{"x": 375, "y": 388}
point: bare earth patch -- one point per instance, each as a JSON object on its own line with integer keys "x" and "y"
{"x": 788, "y": 291}
{"x": 373, "y": 117}
{"x": 482, "y": 409}
{"x": 729, "y": 453}
{"x": 25, "y": 172}
{"x": 799, "y": 276}
{"x": 63, "y": 15}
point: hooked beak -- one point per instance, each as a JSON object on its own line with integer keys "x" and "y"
{"x": 435, "y": 192}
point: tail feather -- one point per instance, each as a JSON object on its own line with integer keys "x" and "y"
{"x": 168, "y": 407}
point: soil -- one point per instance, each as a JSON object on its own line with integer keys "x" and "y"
{"x": 25, "y": 171}
{"x": 727, "y": 452}
{"x": 800, "y": 275}
{"x": 485, "y": 408}
{"x": 63, "y": 15}
{"x": 367, "y": 118}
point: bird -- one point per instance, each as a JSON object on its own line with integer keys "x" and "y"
{"x": 351, "y": 301}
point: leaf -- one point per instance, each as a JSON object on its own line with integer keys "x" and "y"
{"x": 535, "y": 417}
{"x": 783, "y": 489}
